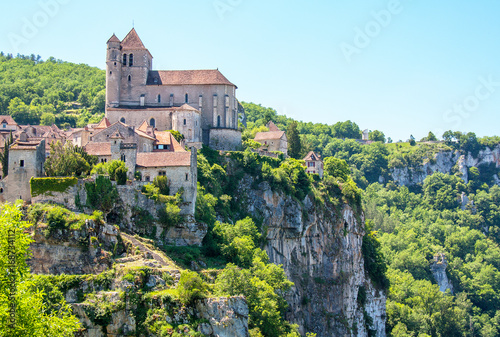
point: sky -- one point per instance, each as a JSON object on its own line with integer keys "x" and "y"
{"x": 404, "y": 67}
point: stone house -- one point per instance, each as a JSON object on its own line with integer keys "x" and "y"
{"x": 365, "y": 135}
{"x": 26, "y": 160}
{"x": 8, "y": 124}
{"x": 272, "y": 140}
{"x": 201, "y": 104}
{"x": 314, "y": 163}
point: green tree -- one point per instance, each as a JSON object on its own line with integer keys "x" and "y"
{"x": 47, "y": 119}
{"x": 377, "y": 136}
{"x": 32, "y": 315}
{"x": 337, "y": 168}
{"x": 191, "y": 287}
{"x": 67, "y": 160}
{"x": 294, "y": 145}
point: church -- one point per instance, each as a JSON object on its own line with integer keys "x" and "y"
{"x": 200, "y": 104}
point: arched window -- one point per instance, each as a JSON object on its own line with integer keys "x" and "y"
{"x": 184, "y": 121}
{"x": 152, "y": 122}
{"x": 122, "y": 120}
{"x": 129, "y": 78}
{"x": 131, "y": 60}
{"x": 124, "y": 60}
{"x": 218, "y": 121}
{"x": 159, "y": 98}
{"x": 186, "y": 98}
{"x": 122, "y": 157}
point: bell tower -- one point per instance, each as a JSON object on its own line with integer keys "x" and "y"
{"x": 113, "y": 72}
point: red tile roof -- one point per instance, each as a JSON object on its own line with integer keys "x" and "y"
{"x": 184, "y": 77}
{"x": 272, "y": 126}
{"x": 163, "y": 159}
{"x": 103, "y": 124}
{"x": 32, "y": 145}
{"x": 312, "y": 156}
{"x": 132, "y": 41}
{"x": 98, "y": 149}
{"x": 166, "y": 138}
{"x": 7, "y": 119}
{"x": 269, "y": 135}
{"x": 113, "y": 38}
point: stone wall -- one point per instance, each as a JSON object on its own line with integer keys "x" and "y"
{"x": 225, "y": 139}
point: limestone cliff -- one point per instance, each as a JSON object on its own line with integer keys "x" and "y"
{"x": 320, "y": 250}
{"x": 446, "y": 162}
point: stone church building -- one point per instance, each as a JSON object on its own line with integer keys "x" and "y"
{"x": 201, "y": 104}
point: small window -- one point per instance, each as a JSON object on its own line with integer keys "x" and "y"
{"x": 21, "y": 163}
{"x": 4, "y": 125}
{"x": 200, "y": 101}
{"x": 215, "y": 100}
{"x": 115, "y": 64}
{"x": 129, "y": 78}
{"x": 159, "y": 98}
{"x": 122, "y": 158}
{"x": 187, "y": 176}
{"x": 167, "y": 147}
{"x": 218, "y": 121}
{"x": 186, "y": 98}
{"x": 227, "y": 101}
{"x": 152, "y": 122}
{"x": 131, "y": 60}
{"x": 162, "y": 173}
{"x": 146, "y": 178}
{"x": 1, "y": 190}
{"x": 171, "y": 101}
{"x": 122, "y": 120}
{"x": 110, "y": 72}
{"x": 184, "y": 121}
{"x": 124, "y": 60}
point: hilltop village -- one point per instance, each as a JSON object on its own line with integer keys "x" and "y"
{"x": 143, "y": 108}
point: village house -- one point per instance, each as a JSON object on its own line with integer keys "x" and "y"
{"x": 272, "y": 140}
{"x": 314, "y": 163}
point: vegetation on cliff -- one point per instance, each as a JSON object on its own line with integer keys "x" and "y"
{"x": 19, "y": 294}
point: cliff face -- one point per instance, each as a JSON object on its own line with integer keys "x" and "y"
{"x": 444, "y": 162}
{"x": 321, "y": 253}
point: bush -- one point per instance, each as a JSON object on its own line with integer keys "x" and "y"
{"x": 101, "y": 194}
{"x": 138, "y": 175}
{"x": 170, "y": 215}
{"x": 191, "y": 287}
{"x": 121, "y": 175}
{"x": 163, "y": 185}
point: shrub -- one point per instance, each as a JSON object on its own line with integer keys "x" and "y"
{"x": 191, "y": 287}
{"x": 170, "y": 215}
{"x": 138, "y": 175}
{"x": 163, "y": 185}
{"x": 121, "y": 175}
{"x": 101, "y": 194}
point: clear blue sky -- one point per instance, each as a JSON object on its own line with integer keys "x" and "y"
{"x": 424, "y": 65}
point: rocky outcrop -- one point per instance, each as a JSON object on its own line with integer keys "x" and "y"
{"x": 444, "y": 162}
{"x": 68, "y": 251}
{"x": 320, "y": 250}
{"x": 438, "y": 269}
{"x": 226, "y": 316}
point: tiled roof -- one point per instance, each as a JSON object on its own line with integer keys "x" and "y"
{"x": 166, "y": 138}
{"x": 25, "y": 145}
{"x": 103, "y": 124}
{"x": 272, "y": 126}
{"x": 113, "y": 38}
{"x": 269, "y": 135}
{"x": 163, "y": 159}
{"x": 98, "y": 149}
{"x": 312, "y": 156}
{"x": 188, "y": 107}
{"x": 184, "y": 77}
{"x": 132, "y": 41}
{"x": 143, "y": 127}
{"x": 7, "y": 119}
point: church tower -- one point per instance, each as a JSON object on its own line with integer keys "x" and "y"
{"x": 113, "y": 72}
{"x": 137, "y": 61}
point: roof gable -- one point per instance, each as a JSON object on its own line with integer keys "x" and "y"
{"x": 132, "y": 41}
